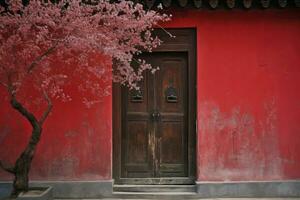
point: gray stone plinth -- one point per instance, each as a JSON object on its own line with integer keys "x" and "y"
{"x": 47, "y": 194}
{"x": 288, "y": 188}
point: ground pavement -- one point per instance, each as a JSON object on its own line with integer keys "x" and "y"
{"x": 177, "y": 198}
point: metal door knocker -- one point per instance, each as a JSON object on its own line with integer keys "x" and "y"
{"x": 171, "y": 95}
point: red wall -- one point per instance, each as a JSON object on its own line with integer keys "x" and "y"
{"x": 248, "y": 106}
{"x": 76, "y": 143}
{"x": 248, "y": 91}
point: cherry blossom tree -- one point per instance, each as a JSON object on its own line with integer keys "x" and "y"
{"x": 85, "y": 38}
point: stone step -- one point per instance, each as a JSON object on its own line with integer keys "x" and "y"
{"x": 155, "y": 188}
{"x": 155, "y": 195}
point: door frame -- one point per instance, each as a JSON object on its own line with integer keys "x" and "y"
{"x": 185, "y": 41}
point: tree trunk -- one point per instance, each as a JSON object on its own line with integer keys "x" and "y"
{"x": 23, "y": 163}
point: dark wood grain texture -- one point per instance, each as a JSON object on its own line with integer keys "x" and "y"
{"x": 154, "y": 131}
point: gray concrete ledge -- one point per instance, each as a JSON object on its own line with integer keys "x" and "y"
{"x": 68, "y": 189}
{"x": 47, "y": 194}
{"x": 286, "y": 188}
{"x": 99, "y": 189}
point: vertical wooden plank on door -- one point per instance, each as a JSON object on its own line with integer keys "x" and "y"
{"x": 137, "y": 161}
{"x": 171, "y": 90}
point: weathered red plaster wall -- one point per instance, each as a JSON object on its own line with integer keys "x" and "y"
{"x": 76, "y": 143}
{"x": 248, "y": 89}
{"x": 248, "y": 71}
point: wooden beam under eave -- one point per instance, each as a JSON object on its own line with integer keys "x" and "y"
{"x": 215, "y": 3}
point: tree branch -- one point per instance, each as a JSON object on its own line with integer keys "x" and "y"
{"x": 167, "y": 32}
{"x": 19, "y": 107}
{"x": 9, "y": 169}
{"x": 41, "y": 57}
{"x": 48, "y": 110}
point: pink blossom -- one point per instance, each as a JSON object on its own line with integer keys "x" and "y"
{"x": 47, "y": 45}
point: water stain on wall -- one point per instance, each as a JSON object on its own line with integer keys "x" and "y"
{"x": 64, "y": 165}
{"x": 238, "y": 145}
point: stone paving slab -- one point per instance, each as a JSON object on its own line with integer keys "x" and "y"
{"x": 196, "y": 199}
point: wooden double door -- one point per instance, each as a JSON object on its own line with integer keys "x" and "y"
{"x": 156, "y": 144}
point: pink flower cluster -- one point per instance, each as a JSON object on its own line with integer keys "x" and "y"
{"x": 44, "y": 44}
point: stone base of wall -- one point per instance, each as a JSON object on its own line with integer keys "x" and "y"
{"x": 98, "y": 189}
{"x": 288, "y": 188}
{"x": 68, "y": 189}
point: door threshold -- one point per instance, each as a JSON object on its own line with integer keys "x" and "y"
{"x": 155, "y": 195}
